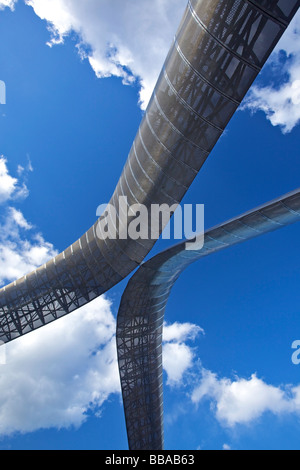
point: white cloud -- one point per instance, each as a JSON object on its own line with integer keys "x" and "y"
{"x": 54, "y": 375}
{"x": 44, "y": 386}
{"x": 237, "y": 401}
{"x": 181, "y": 332}
{"x": 19, "y": 219}
{"x": 177, "y": 359}
{"x": 7, "y": 3}
{"x": 177, "y": 355}
{"x": 243, "y": 401}
{"x": 21, "y": 248}
{"x": 7, "y": 183}
{"x": 281, "y": 102}
{"x": 128, "y": 39}
{"x": 131, "y": 40}
{"x": 226, "y": 447}
{"x": 10, "y": 188}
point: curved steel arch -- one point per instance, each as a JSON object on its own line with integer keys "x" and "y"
{"x": 219, "y": 49}
{"x": 141, "y": 315}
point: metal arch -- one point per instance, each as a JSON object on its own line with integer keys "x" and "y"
{"x": 141, "y": 315}
{"x": 217, "y": 53}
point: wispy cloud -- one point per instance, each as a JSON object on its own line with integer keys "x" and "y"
{"x": 11, "y": 188}
{"x": 22, "y": 247}
{"x": 7, "y": 182}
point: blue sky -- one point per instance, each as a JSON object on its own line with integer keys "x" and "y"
{"x": 72, "y": 111}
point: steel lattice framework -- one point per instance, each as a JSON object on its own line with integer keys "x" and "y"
{"x": 218, "y": 51}
{"x": 142, "y": 309}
